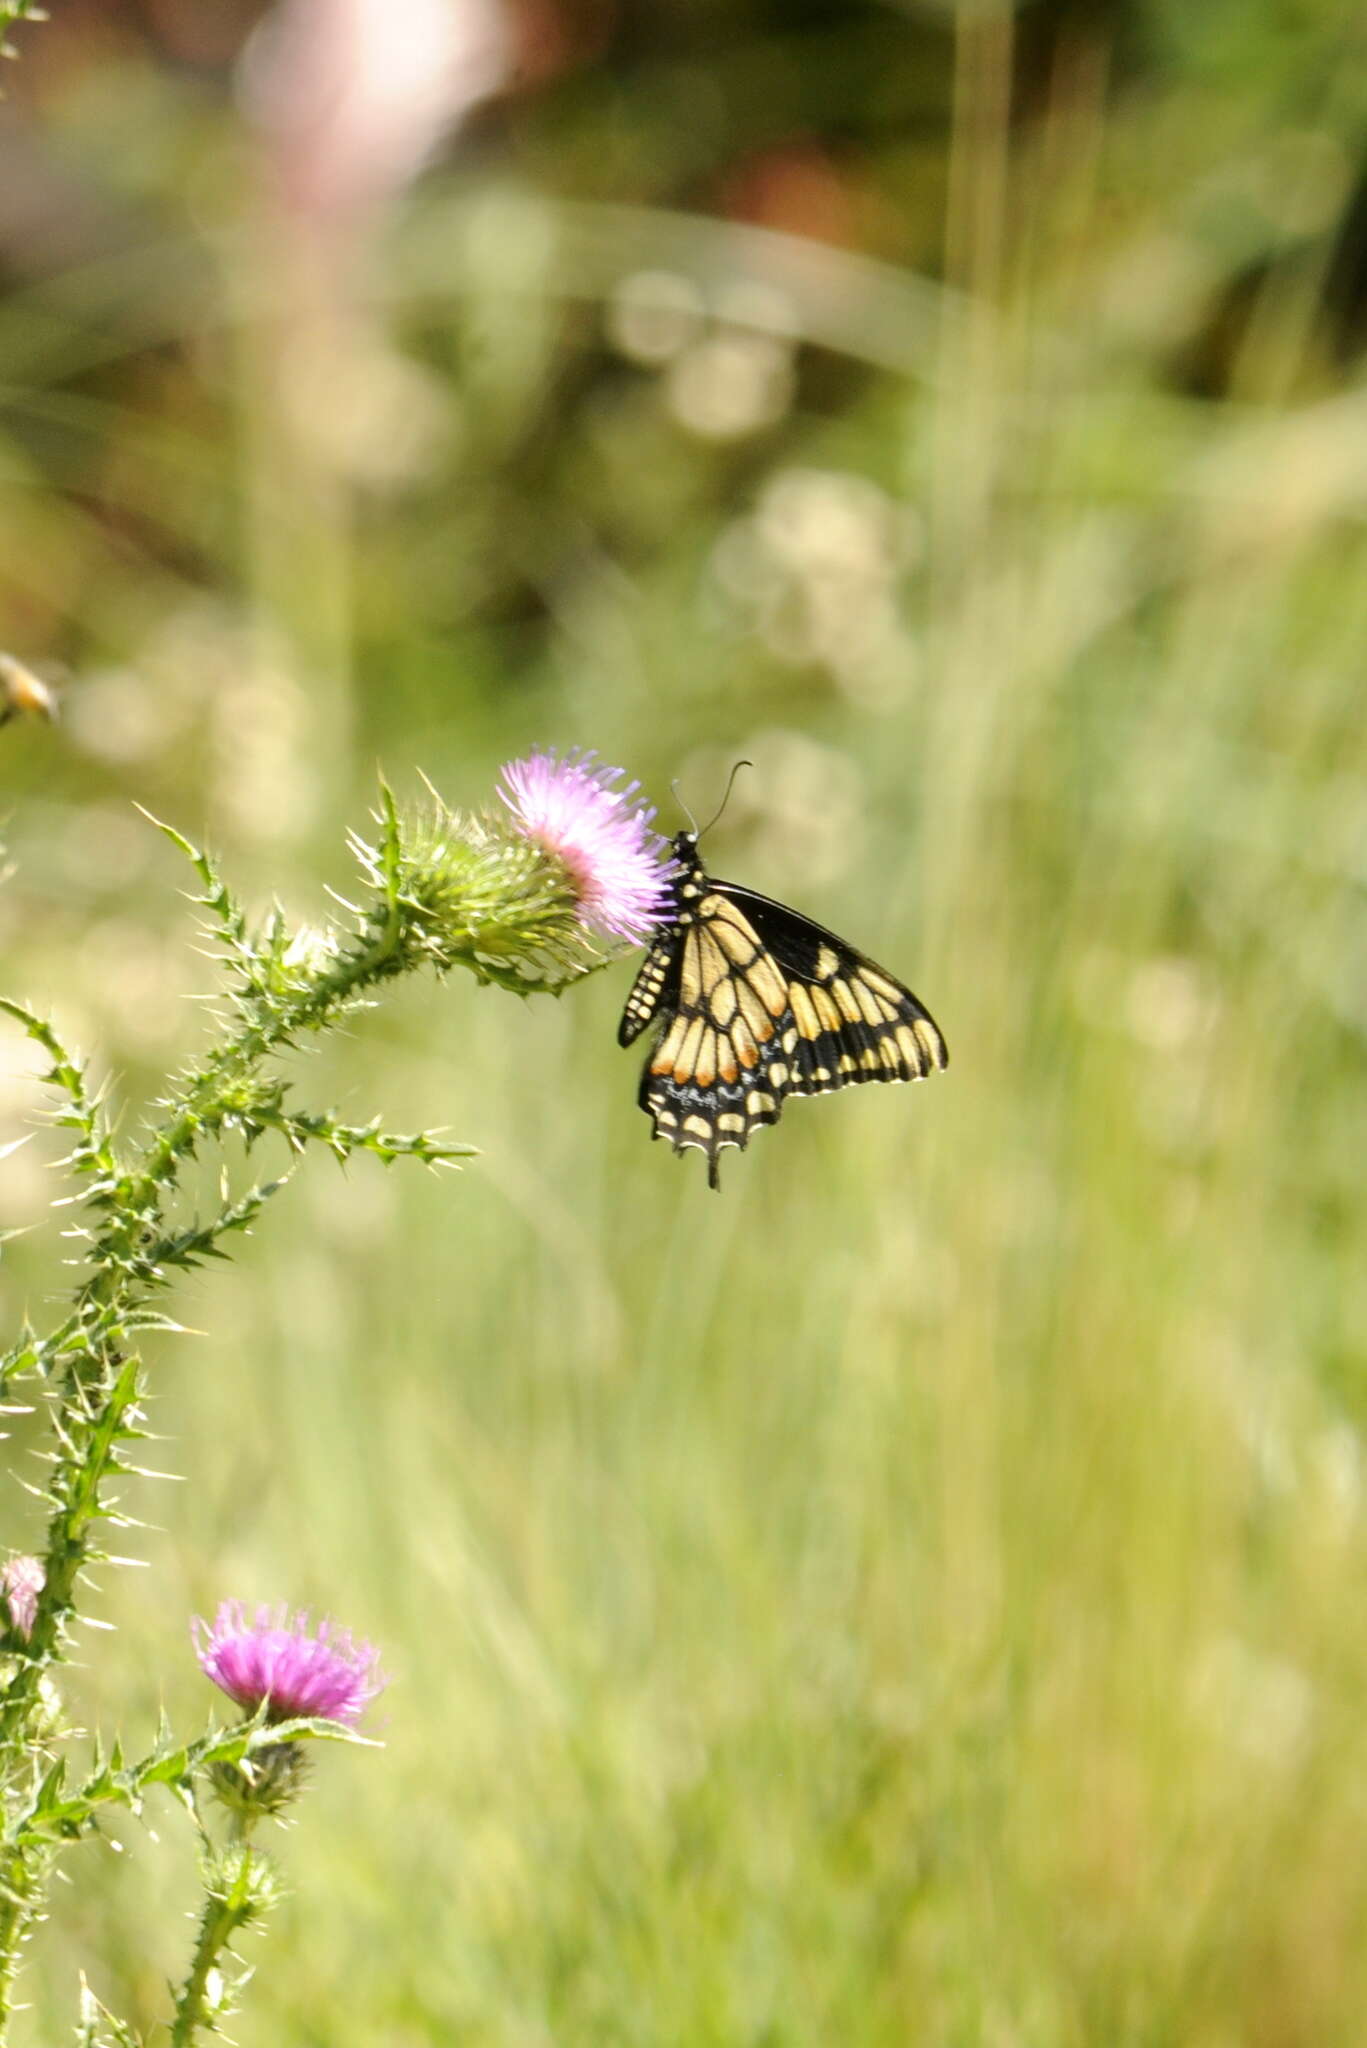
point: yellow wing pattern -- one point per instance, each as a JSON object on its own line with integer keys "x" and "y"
{"x": 760, "y": 1004}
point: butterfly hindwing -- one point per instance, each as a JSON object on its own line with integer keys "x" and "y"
{"x": 753, "y": 1003}
{"x": 717, "y": 1071}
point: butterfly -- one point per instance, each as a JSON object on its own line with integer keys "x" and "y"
{"x": 753, "y": 1003}
{"x": 23, "y": 694}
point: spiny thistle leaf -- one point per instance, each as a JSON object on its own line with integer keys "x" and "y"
{"x": 198, "y": 1241}
{"x": 92, "y": 1153}
{"x": 58, "y": 1814}
{"x": 229, "y": 918}
{"x": 302, "y": 1128}
{"x": 98, "y": 2028}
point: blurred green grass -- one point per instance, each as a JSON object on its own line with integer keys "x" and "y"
{"x": 915, "y": 1596}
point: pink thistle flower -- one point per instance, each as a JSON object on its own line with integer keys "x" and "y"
{"x": 599, "y": 834}
{"x": 21, "y": 1581}
{"x": 278, "y": 1658}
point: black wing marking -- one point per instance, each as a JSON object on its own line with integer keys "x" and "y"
{"x": 851, "y": 1021}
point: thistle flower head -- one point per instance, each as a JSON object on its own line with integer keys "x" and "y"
{"x": 600, "y": 834}
{"x": 280, "y": 1659}
{"x": 21, "y": 1581}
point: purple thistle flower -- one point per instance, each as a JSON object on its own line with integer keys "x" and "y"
{"x": 277, "y": 1657}
{"x": 21, "y": 1581}
{"x": 601, "y": 836}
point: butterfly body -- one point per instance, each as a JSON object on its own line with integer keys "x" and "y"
{"x": 754, "y": 1003}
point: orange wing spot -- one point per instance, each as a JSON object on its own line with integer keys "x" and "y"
{"x": 705, "y": 1066}
{"x": 753, "y": 1014}
{"x": 663, "y": 1062}
{"x": 727, "y": 1069}
{"x": 686, "y": 1058}
{"x": 743, "y": 1039}
{"x": 769, "y": 985}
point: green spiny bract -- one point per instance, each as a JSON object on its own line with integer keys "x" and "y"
{"x": 473, "y": 892}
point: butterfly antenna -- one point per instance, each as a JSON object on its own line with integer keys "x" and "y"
{"x": 727, "y": 797}
{"x": 675, "y": 793}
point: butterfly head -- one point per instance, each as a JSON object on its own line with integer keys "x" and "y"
{"x": 689, "y": 877}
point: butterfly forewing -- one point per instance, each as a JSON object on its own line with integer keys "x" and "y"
{"x": 755, "y": 1003}
{"x": 852, "y": 1021}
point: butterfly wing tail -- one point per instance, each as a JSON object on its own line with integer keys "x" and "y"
{"x": 706, "y": 1120}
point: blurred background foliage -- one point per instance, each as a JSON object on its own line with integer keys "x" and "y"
{"x": 917, "y": 1596}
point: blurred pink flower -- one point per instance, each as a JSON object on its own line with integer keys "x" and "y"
{"x": 277, "y": 1657}
{"x": 21, "y": 1581}
{"x": 599, "y": 833}
{"x": 349, "y": 99}
{"x": 355, "y": 94}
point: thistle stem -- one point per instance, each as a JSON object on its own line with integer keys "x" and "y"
{"x": 76, "y": 1503}
{"x": 15, "y": 1913}
{"x": 220, "y": 1920}
{"x": 206, "y": 1095}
